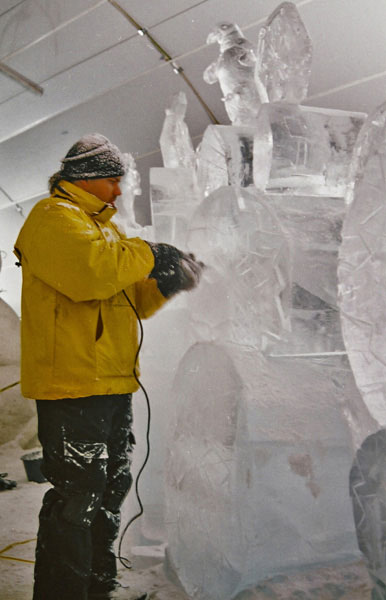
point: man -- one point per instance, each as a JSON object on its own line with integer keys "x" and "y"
{"x": 82, "y": 280}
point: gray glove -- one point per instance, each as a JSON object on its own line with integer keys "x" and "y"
{"x": 174, "y": 270}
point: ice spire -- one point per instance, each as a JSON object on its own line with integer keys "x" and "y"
{"x": 130, "y": 187}
{"x": 362, "y": 265}
{"x": 284, "y": 55}
{"x": 175, "y": 142}
{"x": 234, "y": 71}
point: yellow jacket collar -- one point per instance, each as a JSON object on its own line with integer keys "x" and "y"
{"x": 93, "y": 206}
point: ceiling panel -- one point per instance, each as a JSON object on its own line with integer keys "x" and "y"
{"x": 72, "y": 44}
{"x": 364, "y": 96}
{"x": 31, "y": 19}
{"x": 348, "y": 43}
{"x": 9, "y": 87}
{"x": 7, "y": 5}
{"x": 149, "y": 12}
{"x": 82, "y": 83}
{"x": 127, "y": 114}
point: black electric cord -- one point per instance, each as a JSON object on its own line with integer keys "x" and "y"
{"x": 124, "y": 561}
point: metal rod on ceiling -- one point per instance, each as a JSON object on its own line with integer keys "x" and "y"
{"x": 21, "y": 78}
{"x": 166, "y": 56}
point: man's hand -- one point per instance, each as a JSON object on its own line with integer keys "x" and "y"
{"x": 174, "y": 270}
{"x": 191, "y": 271}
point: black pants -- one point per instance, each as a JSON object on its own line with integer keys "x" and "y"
{"x": 87, "y": 445}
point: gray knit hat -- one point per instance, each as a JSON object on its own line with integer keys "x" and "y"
{"x": 93, "y": 157}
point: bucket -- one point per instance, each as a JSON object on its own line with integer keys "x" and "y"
{"x": 32, "y": 463}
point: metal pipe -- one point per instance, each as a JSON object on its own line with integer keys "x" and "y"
{"x": 166, "y": 56}
{"x": 21, "y": 78}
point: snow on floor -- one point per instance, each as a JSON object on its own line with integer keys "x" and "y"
{"x": 19, "y": 509}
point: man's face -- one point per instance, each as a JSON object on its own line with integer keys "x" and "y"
{"x": 106, "y": 189}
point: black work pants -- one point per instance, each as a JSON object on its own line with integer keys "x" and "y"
{"x": 87, "y": 445}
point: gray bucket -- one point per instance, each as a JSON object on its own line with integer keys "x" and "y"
{"x": 32, "y": 463}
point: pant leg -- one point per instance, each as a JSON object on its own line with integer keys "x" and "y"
{"x": 73, "y": 434}
{"x": 105, "y": 527}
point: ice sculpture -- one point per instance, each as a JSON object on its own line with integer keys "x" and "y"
{"x": 175, "y": 142}
{"x": 314, "y": 226}
{"x": 362, "y": 299}
{"x": 267, "y": 413}
{"x": 245, "y": 292}
{"x": 225, "y": 158}
{"x": 243, "y": 460}
{"x": 173, "y": 189}
{"x": 304, "y": 150}
{"x": 284, "y": 56}
{"x": 18, "y": 415}
{"x": 125, "y": 216}
{"x": 301, "y": 150}
{"x": 174, "y": 196}
{"x": 234, "y": 70}
{"x": 362, "y": 266}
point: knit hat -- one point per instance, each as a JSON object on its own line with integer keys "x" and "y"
{"x": 93, "y": 157}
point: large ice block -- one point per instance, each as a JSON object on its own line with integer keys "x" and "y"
{"x": 254, "y": 482}
{"x": 304, "y": 150}
{"x": 362, "y": 266}
{"x": 314, "y": 227}
{"x": 225, "y": 157}
{"x": 173, "y": 196}
{"x": 284, "y": 56}
{"x": 234, "y": 70}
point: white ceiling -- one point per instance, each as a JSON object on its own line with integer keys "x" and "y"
{"x": 98, "y": 74}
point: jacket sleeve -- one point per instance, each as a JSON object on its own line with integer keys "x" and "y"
{"x": 148, "y": 298}
{"x": 70, "y": 255}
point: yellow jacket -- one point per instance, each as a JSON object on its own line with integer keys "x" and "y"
{"x": 78, "y": 331}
